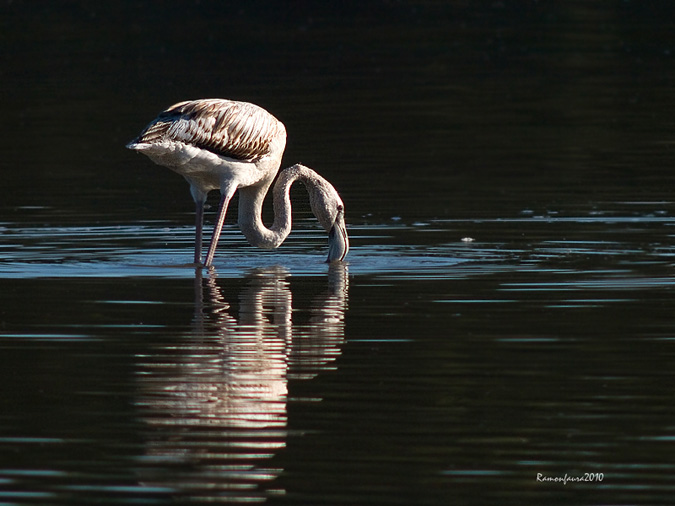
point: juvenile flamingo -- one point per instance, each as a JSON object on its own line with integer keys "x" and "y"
{"x": 227, "y": 145}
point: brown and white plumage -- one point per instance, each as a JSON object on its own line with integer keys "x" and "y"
{"x": 228, "y": 145}
{"x": 233, "y": 129}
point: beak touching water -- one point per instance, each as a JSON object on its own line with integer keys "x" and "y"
{"x": 338, "y": 241}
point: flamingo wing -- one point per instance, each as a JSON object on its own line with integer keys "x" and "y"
{"x": 238, "y": 130}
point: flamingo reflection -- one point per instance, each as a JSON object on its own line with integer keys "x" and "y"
{"x": 215, "y": 399}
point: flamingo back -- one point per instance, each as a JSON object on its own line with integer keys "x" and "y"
{"x": 238, "y": 130}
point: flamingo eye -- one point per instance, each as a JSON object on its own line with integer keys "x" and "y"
{"x": 339, "y": 208}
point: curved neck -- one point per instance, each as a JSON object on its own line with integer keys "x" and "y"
{"x": 251, "y": 200}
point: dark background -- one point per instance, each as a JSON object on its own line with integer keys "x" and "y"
{"x": 443, "y": 109}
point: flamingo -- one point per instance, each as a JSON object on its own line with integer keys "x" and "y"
{"x": 229, "y": 145}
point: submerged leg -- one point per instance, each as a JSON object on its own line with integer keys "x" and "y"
{"x": 222, "y": 210}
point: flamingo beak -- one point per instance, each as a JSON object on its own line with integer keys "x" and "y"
{"x": 338, "y": 241}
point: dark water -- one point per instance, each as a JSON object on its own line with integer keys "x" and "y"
{"x": 505, "y": 317}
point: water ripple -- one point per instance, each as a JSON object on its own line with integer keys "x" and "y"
{"x": 425, "y": 250}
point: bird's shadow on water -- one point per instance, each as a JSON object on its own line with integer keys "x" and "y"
{"x": 213, "y": 401}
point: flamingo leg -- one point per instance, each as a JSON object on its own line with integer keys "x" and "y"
{"x": 222, "y": 210}
{"x": 199, "y": 226}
